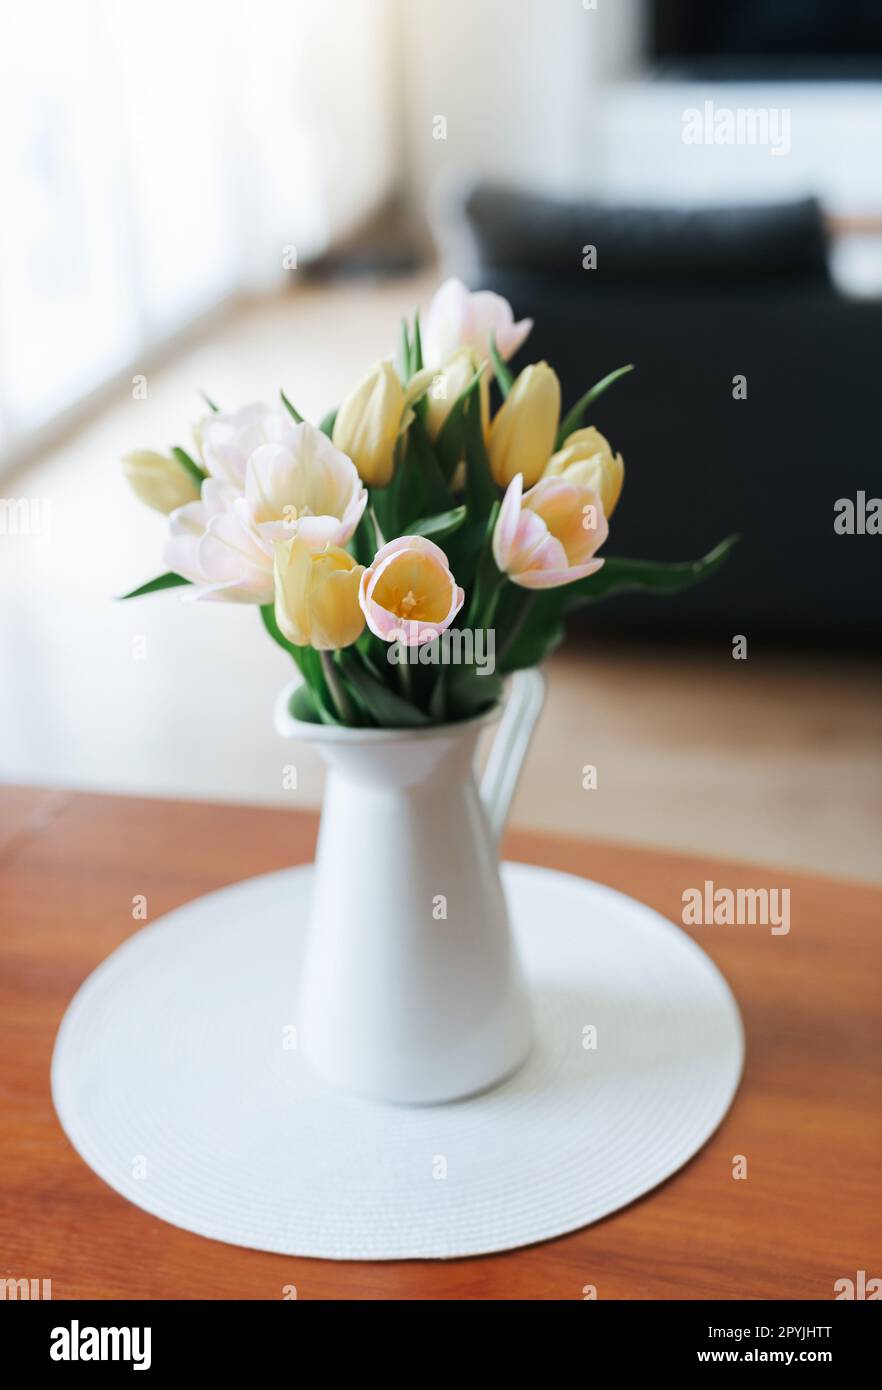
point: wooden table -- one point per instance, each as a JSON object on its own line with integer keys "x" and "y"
{"x": 806, "y": 1118}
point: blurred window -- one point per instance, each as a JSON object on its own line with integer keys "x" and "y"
{"x": 156, "y": 158}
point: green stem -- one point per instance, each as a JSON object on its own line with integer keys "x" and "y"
{"x": 485, "y": 597}
{"x": 438, "y": 697}
{"x": 492, "y": 602}
{"x": 342, "y": 703}
{"x": 405, "y": 680}
{"x": 518, "y": 624}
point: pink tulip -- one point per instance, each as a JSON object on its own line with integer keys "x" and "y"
{"x": 548, "y": 536}
{"x": 456, "y": 318}
{"x": 408, "y": 594}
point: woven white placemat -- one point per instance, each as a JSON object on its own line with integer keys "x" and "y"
{"x": 175, "y": 1077}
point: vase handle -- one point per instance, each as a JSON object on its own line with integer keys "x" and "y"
{"x": 526, "y": 697}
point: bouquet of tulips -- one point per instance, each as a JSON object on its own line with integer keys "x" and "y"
{"x": 362, "y": 539}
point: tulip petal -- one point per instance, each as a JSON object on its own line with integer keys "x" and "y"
{"x": 336, "y": 619}
{"x": 316, "y": 600}
{"x": 230, "y": 552}
{"x": 530, "y": 537}
{"x": 409, "y": 588}
{"x": 303, "y": 486}
{"x": 456, "y": 318}
{"x": 512, "y": 337}
{"x": 442, "y": 327}
{"x": 368, "y": 421}
{"x": 228, "y": 439}
{"x": 572, "y": 513}
{"x": 587, "y": 458}
{"x": 523, "y": 431}
{"x": 187, "y": 524}
{"x": 422, "y": 544}
{"x": 554, "y": 578}
{"x": 490, "y": 313}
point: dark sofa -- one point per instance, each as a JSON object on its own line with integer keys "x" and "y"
{"x": 694, "y": 299}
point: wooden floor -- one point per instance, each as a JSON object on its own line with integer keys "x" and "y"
{"x": 776, "y": 759}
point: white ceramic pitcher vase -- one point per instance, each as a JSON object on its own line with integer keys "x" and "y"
{"x": 411, "y": 990}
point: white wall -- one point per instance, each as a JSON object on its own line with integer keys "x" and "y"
{"x": 556, "y": 96}
{"x": 833, "y": 146}
{"x": 520, "y": 83}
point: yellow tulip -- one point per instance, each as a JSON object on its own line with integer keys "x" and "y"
{"x": 317, "y": 595}
{"x": 159, "y": 480}
{"x": 448, "y": 384}
{"x": 587, "y": 459}
{"x": 368, "y": 423}
{"x": 523, "y": 432}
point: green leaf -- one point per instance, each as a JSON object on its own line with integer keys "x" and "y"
{"x": 307, "y": 661}
{"x": 434, "y": 490}
{"x": 364, "y": 542}
{"x": 404, "y": 354}
{"x": 438, "y": 698}
{"x": 416, "y": 351}
{"x": 302, "y": 705}
{"x": 389, "y": 710}
{"x": 487, "y": 579}
{"x": 531, "y": 626}
{"x": 327, "y": 424}
{"x": 164, "y": 581}
{"x": 438, "y": 526}
{"x": 466, "y": 693}
{"x": 448, "y": 445}
{"x": 210, "y": 403}
{"x": 480, "y": 490}
{"x": 373, "y": 651}
{"x": 403, "y": 498}
{"x": 189, "y": 465}
{"x": 295, "y": 414}
{"x": 503, "y": 375}
{"x": 268, "y": 617}
{"x": 653, "y": 576}
{"x": 310, "y": 663}
{"x": 462, "y": 547}
{"x": 573, "y": 420}
{"x": 383, "y": 501}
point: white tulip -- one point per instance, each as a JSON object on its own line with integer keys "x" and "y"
{"x": 306, "y": 487}
{"x": 228, "y": 438}
{"x": 302, "y": 488}
{"x": 456, "y": 319}
{"x": 215, "y": 575}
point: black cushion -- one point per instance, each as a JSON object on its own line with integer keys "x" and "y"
{"x": 720, "y": 246}
{"x": 701, "y": 463}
